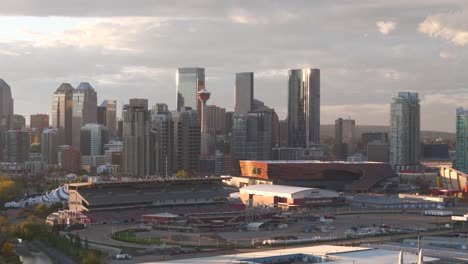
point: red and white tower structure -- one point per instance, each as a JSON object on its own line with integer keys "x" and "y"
{"x": 203, "y": 96}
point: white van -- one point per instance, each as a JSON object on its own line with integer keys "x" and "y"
{"x": 123, "y": 256}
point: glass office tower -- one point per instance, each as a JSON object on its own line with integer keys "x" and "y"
{"x": 303, "y": 107}
{"x": 189, "y": 81}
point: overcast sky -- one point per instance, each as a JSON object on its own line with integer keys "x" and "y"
{"x": 367, "y": 51}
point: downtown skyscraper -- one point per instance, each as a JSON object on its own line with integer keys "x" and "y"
{"x": 49, "y": 146}
{"x": 461, "y": 160}
{"x": 62, "y": 112}
{"x": 136, "y": 118}
{"x": 84, "y": 110}
{"x": 303, "y": 107}
{"x": 110, "y": 116}
{"x": 189, "y": 82}
{"x": 244, "y": 93}
{"x": 6, "y": 114}
{"x": 6, "y": 105}
{"x": 405, "y": 131}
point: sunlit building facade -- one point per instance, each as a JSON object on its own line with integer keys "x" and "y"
{"x": 303, "y": 107}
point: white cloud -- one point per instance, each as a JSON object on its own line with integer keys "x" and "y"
{"x": 459, "y": 99}
{"x": 386, "y": 27}
{"x": 452, "y": 27}
{"x": 445, "y": 54}
{"x": 115, "y": 34}
{"x": 392, "y": 75}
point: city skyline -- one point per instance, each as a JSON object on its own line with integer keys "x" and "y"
{"x": 363, "y": 64}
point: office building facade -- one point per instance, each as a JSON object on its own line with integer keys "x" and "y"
{"x": 252, "y": 137}
{"x": 39, "y": 122}
{"x": 372, "y": 137}
{"x": 303, "y": 107}
{"x": 110, "y": 117}
{"x": 244, "y": 93}
{"x": 93, "y": 137}
{"x": 17, "y": 146}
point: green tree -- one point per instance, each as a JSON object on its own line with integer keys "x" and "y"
{"x": 42, "y": 210}
{"x": 91, "y": 258}
{"x": 7, "y": 249}
{"x": 182, "y": 174}
{"x": 9, "y": 190}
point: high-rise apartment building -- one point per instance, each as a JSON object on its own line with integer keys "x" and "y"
{"x": 244, "y": 93}
{"x": 303, "y": 107}
{"x": 110, "y": 117}
{"x": 186, "y": 140}
{"x": 93, "y": 138}
{"x": 189, "y": 81}
{"x": 136, "y": 119}
{"x": 461, "y": 160}
{"x": 39, "y": 122}
{"x": 161, "y": 141}
{"x": 49, "y": 146}
{"x": 62, "y": 112}
{"x": 405, "y": 131}
{"x": 17, "y": 146}
{"x": 6, "y": 105}
{"x": 84, "y": 110}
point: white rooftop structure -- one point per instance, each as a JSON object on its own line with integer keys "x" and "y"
{"x": 334, "y": 254}
{"x": 290, "y": 192}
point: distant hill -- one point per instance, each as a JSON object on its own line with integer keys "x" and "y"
{"x": 329, "y": 131}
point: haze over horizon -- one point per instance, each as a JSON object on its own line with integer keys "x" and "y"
{"x": 367, "y": 51}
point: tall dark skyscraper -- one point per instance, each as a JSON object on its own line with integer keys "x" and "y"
{"x": 136, "y": 118}
{"x": 84, "y": 110}
{"x": 186, "y": 140}
{"x": 62, "y": 110}
{"x": 303, "y": 107}
{"x": 109, "y": 116}
{"x": 244, "y": 93}
{"x": 161, "y": 141}
{"x": 189, "y": 81}
{"x": 6, "y": 105}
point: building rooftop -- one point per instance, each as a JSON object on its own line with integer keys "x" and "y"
{"x": 84, "y": 86}
{"x": 287, "y": 191}
{"x": 65, "y": 87}
{"x": 315, "y": 162}
{"x": 336, "y": 254}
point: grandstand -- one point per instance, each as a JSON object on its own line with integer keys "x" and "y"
{"x": 196, "y": 203}
{"x": 100, "y": 196}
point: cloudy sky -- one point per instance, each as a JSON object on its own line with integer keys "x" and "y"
{"x": 367, "y": 51}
